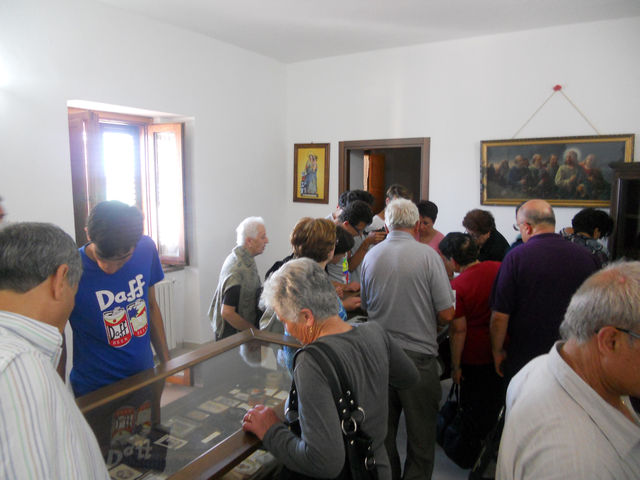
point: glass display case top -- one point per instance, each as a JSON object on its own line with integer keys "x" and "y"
{"x": 159, "y": 429}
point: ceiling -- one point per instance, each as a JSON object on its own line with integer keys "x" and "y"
{"x": 297, "y": 30}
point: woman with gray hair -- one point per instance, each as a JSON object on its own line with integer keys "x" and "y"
{"x": 305, "y": 301}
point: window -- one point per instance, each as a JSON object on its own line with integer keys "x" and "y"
{"x": 131, "y": 159}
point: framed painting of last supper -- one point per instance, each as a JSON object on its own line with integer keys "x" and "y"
{"x": 565, "y": 171}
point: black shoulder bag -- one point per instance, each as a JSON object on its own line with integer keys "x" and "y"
{"x": 360, "y": 463}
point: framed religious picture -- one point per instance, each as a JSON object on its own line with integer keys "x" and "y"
{"x": 311, "y": 172}
{"x": 565, "y": 171}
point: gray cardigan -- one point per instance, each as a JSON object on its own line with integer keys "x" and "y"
{"x": 372, "y": 361}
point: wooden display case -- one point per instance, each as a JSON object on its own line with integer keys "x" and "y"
{"x": 150, "y": 428}
{"x": 625, "y": 211}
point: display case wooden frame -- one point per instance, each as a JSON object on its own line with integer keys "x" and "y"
{"x": 624, "y": 241}
{"x": 221, "y": 457}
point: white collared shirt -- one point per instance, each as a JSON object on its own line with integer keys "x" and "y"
{"x": 42, "y": 432}
{"x": 558, "y": 427}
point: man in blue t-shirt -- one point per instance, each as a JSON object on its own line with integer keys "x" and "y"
{"x": 116, "y": 317}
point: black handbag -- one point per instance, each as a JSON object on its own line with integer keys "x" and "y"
{"x": 456, "y": 431}
{"x": 447, "y": 413}
{"x": 360, "y": 463}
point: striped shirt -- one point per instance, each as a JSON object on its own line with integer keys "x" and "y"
{"x": 558, "y": 427}
{"x": 43, "y": 435}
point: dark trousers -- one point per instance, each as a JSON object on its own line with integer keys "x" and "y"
{"x": 420, "y": 406}
{"x": 481, "y": 395}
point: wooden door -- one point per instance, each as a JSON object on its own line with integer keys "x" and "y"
{"x": 374, "y": 179}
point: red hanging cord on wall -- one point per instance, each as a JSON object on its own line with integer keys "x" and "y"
{"x": 556, "y": 88}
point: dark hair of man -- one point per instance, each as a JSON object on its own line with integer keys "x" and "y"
{"x": 313, "y": 238}
{"x": 344, "y": 241}
{"x": 460, "y": 247}
{"x": 114, "y": 228}
{"x": 32, "y": 252}
{"x": 342, "y": 199}
{"x": 480, "y": 221}
{"x": 357, "y": 212}
{"x": 428, "y": 209}
{"x": 360, "y": 195}
{"x": 588, "y": 219}
{"x": 396, "y": 191}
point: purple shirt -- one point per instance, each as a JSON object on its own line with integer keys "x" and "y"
{"x": 534, "y": 286}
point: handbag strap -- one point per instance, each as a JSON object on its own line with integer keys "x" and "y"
{"x": 343, "y": 394}
{"x": 454, "y": 393}
{"x": 350, "y": 413}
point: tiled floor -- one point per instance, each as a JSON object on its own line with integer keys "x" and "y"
{"x": 445, "y": 469}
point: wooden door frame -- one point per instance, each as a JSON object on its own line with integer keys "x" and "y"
{"x": 423, "y": 143}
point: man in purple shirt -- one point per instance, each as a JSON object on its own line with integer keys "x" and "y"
{"x": 532, "y": 290}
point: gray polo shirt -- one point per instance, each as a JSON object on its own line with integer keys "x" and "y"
{"x": 404, "y": 285}
{"x": 558, "y": 427}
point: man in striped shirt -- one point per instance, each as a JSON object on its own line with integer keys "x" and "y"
{"x": 42, "y": 432}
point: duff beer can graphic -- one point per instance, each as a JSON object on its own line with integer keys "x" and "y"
{"x": 137, "y": 312}
{"x": 143, "y": 418}
{"x": 117, "y": 326}
{"x": 122, "y": 423}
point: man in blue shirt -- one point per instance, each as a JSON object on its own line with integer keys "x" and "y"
{"x": 116, "y": 317}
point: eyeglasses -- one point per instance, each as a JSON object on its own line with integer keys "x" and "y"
{"x": 629, "y": 332}
{"x": 516, "y": 226}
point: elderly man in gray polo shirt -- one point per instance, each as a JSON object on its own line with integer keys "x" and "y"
{"x": 569, "y": 415}
{"x": 405, "y": 287}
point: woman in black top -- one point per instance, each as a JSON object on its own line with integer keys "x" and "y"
{"x": 481, "y": 225}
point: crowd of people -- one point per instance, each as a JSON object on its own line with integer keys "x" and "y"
{"x": 543, "y": 326}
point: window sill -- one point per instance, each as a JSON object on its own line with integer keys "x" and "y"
{"x": 172, "y": 268}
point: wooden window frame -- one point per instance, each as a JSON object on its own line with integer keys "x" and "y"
{"x": 88, "y": 176}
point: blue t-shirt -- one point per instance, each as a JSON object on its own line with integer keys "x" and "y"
{"x": 111, "y": 321}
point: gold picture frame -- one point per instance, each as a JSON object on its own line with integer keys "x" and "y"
{"x": 311, "y": 172}
{"x": 565, "y": 171}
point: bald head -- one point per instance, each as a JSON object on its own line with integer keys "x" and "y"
{"x": 535, "y": 217}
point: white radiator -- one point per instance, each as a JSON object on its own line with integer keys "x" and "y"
{"x": 166, "y": 297}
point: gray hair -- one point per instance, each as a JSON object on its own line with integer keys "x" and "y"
{"x": 537, "y": 215}
{"x": 32, "y": 252}
{"x": 248, "y": 228}
{"x": 401, "y": 213}
{"x": 608, "y": 297}
{"x": 299, "y": 284}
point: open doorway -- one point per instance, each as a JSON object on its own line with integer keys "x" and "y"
{"x": 373, "y": 165}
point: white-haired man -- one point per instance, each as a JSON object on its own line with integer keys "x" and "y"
{"x": 568, "y": 412}
{"x": 406, "y": 289}
{"x": 234, "y": 306}
{"x": 43, "y": 433}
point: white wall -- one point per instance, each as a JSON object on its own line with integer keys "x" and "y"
{"x": 52, "y": 51}
{"x": 459, "y": 93}
{"x": 249, "y": 110}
